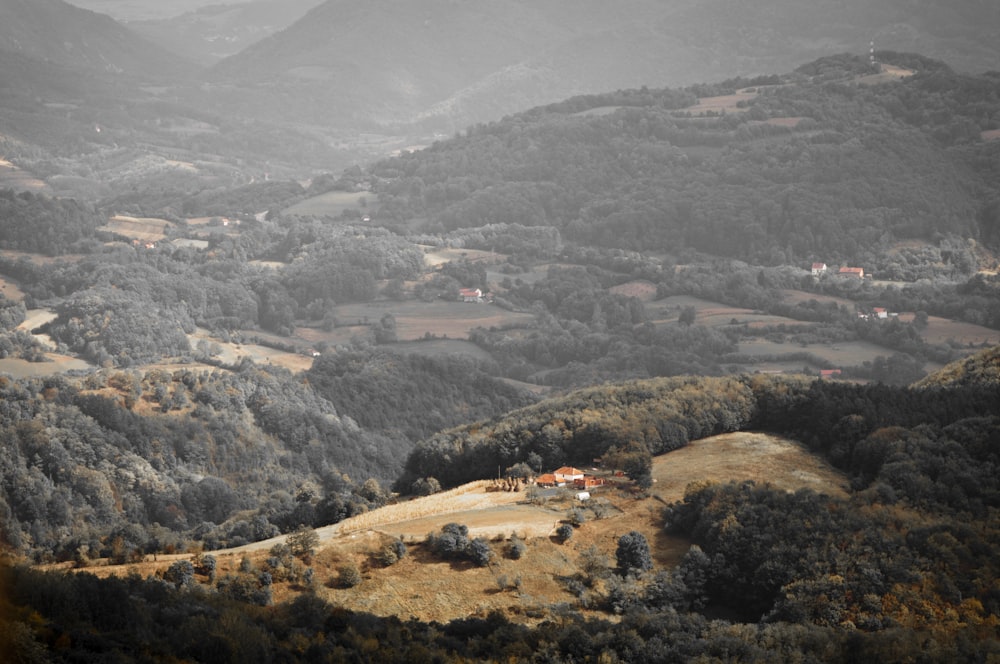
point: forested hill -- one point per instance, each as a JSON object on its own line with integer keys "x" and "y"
{"x": 825, "y": 163}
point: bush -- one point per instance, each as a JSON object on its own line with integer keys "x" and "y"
{"x": 348, "y": 575}
{"x": 180, "y": 573}
{"x": 564, "y": 532}
{"x": 516, "y": 548}
{"x": 480, "y": 552}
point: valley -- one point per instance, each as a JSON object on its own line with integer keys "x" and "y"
{"x": 456, "y": 331}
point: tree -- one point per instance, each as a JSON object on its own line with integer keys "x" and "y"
{"x": 303, "y": 542}
{"x": 564, "y": 532}
{"x": 687, "y": 316}
{"x": 633, "y": 553}
{"x": 479, "y": 552}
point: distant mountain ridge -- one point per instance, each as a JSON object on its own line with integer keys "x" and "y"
{"x": 57, "y": 33}
{"x": 464, "y": 62}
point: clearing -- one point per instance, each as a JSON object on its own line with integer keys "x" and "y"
{"x": 143, "y": 229}
{"x": 334, "y": 203}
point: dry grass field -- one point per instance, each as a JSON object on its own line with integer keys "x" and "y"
{"x": 641, "y": 289}
{"x": 10, "y": 290}
{"x": 12, "y": 177}
{"x": 144, "y": 229}
{"x": 431, "y": 589}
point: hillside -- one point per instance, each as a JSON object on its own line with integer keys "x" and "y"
{"x": 58, "y": 33}
{"x": 982, "y": 368}
{"x": 445, "y": 65}
{"x": 775, "y": 554}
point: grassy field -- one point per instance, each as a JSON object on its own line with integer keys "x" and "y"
{"x": 333, "y": 204}
{"x": 440, "y": 348}
{"x": 711, "y": 314}
{"x": 414, "y": 320}
{"x": 841, "y": 354}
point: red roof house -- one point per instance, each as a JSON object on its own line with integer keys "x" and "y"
{"x": 858, "y": 272}
{"x": 568, "y": 474}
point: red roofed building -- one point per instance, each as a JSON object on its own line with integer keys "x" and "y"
{"x": 548, "y": 479}
{"x": 568, "y": 474}
{"x": 858, "y": 272}
{"x": 818, "y": 269}
{"x": 470, "y": 295}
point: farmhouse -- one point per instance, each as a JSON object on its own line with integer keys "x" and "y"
{"x": 829, "y": 373}
{"x": 548, "y": 479}
{"x": 818, "y": 269}
{"x": 858, "y": 272}
{"x": 880, "y": 312}
{"x": 568, "y": 474}
{"x": 470, "y": 295}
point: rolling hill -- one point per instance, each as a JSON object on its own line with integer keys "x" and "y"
{"x": 446, "y": 64}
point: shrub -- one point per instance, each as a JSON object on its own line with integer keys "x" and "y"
{"x": 479, "y": 552}
{"x": 180, "y": 573}
{"x": 564, "y": 532}
{"x": 516, "y": 548}
{"x": 348, "y": 575}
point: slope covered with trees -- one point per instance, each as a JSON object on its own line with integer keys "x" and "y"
{"x": 807, "y": 166}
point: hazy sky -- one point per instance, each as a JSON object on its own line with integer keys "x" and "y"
{"x": 134, "y": 10}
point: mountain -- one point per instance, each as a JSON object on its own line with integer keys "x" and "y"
{"x": 210, "y": 33}
{"x": 447, "y": 64}
{"x": 58, "y": 33}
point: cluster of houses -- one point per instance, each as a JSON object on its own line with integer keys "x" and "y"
{"x": 569, "y": 476}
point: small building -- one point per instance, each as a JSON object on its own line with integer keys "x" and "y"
{"x": 470, "y": 295}
{"x": 829, "y": 373}
{"x": 858, "y": 272}
{"x": 568, "y": 474}
{"x": 880, "y": 312}
{"x": 583, "y": 495}
{"x": 548, "y": 479}
{"x": 818, "y": 269}
{"x": 589, "y": 482}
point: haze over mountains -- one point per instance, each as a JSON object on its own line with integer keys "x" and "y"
{"x": 448, "y": 64}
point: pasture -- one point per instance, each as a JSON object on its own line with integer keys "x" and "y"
{"x": 840, "y": 354}
{"x": 333, "y": 204}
